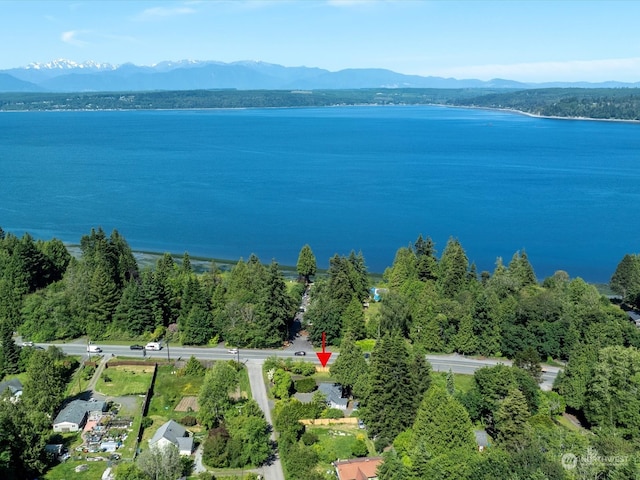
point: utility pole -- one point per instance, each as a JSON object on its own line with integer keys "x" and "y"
{"x": 168, "y": 356}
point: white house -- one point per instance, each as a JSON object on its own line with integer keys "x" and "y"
{"x": 175, "y": 434}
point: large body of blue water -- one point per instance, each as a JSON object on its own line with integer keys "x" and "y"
{"x": 229, "y": 183}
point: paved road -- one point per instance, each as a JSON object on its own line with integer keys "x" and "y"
{"x": 441, "y": 363}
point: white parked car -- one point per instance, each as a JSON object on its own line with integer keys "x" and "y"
{"x": 93, "y": 349}
{"x": 153, "y": 346}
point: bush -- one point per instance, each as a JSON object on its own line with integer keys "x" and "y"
{"x": 188, "y": 421}
{"x": 303, "y": 368}
{"x": 309, "y": 438}
{"x": 305, "y": 385}
{"x": 359, "y": 449}
{"x": 332, "y": 413}
{"x": 88, "y": 372}
{"x": 147, "y": 422}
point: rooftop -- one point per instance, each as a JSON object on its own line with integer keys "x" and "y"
{"x": 358, "y": 468}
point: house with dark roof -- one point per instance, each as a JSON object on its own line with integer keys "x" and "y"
{"x": 13, "y": 389}
{"x": 483, "y": 440}
{"x": 358, "y": 468}
{"x": 634, "y": 317}
{"x": 74, "y": 415}
{"x": 334, "y": 394}
{"x": 172, "y": 433}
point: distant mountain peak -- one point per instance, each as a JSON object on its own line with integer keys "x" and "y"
{"x": 64, "y": 64}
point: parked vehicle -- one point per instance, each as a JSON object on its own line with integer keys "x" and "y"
{"x": 233, "y": 350}
{"x": 136, "y": 347}
{"x": 93, "y": 349}
{"x": 27, "y": 344}
{"x": 301, "y": 353}
{"x": 153, "y": 346}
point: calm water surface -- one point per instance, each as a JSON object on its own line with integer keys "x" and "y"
{"x": 229, "y": 183}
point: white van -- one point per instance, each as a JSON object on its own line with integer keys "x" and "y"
{"x": 153, "y": 346}
{"x": 93, "y": 349}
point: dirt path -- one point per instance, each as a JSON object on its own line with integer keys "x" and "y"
{"x": 96, "y": 375}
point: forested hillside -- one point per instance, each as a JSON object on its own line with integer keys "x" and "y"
{"x": 430, "y": 302}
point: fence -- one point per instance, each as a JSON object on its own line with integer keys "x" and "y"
{"x": 330, "y": 421}
{"x": 145, "y": 403}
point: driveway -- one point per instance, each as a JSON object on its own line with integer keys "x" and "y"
{"x": 273, "y": 471}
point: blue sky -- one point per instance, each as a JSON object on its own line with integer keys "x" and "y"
{"x": 531, "y": 41}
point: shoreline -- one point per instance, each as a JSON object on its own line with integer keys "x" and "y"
{"x": 360, "y": 105}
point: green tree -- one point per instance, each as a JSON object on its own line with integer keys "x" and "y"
{"x": 282, "y": 384}
{"x": 511, "y": 420}
{"x": 529, "y": 361}
{"x": 465, "y": 341}
{"x": 197, "y": 328}
{"x": 392, "y": 467}
{"x": 427, "y": 268}
{"x": 9, "y": 351}
{"x": 612, "y": 399}
{"x": 625, "y": 281}
{"x": 350, "y": 365}
{"x": 452, "y": 269}
{"x": 45, "y": 383}
{"x": 306, "y": 265}
{"x": 276, "y": 307}
{"x": 160, "y": 463}
{"x": 389, "y": 406}
{"x": 194, "y": 368}
{"x": 353, "y": 319}
{"x": 219, "y": 381}
{"x": 442, "y": 437}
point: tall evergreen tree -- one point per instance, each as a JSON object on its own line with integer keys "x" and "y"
{"x": 103, "y": 297}
{"x": 185, "y": 267}
{"x": 427, "y": 267}
{"x": 389, "y": 404}
{"x": 277, "y": 307}
{"x": 625, "y": 281}
{"x": 452, "y": 269}
{"x": 306, "y": 265}
{"x": 511, "y": 420}
{"x": 197, "y": 327}
{"x": 353, "y": 319}
{"x": 350, "y": 366}
{"x": 10, "y": 352}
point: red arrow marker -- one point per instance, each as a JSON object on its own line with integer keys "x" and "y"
{"x": 324, "y": 356}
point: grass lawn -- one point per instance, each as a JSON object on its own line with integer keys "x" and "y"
{"x": 565, "y": 422}
{"x": 66, "y": 471}
{"x": 125, "y": 380}
{"x": 463, "y": 383}
{"x": 245, "y": 387}
{"x": 169, "y": 390}
{"x": 336, "y": 442}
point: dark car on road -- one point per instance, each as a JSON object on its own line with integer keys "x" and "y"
{"x": 300, "y": 354}
{"x": 136, "y": 347}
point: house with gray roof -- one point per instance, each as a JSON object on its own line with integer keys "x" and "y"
{"x": 172, "y": 433}
{"x": 74, "y": 415}
{"x": 13, "y": 389}
{"x": 483, "y": 440}
{"x": 334, "y": 394}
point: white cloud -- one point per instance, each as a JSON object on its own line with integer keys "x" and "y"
{"x": 71, "y": 37}
{"x": 164, "y": 12}
{"x": 618, "y": 69}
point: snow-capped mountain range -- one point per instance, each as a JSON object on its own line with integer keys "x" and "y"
{"x": 68, "y": 76}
